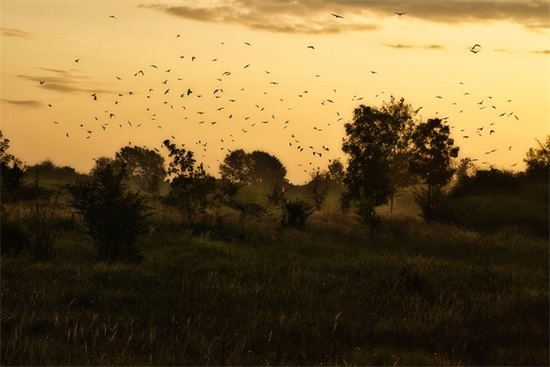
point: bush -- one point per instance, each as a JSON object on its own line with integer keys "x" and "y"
{"x": 14, "y": 239}
{"x": 114, "y": 215}
{"x": 42, "y": 229}
{"x": 295, "y": 213}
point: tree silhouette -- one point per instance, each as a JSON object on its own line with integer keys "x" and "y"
{"x": 190, "y": 187}
{"x": 378, "y": 145}
{"x": 538, "y": 160}
{"x": 12, "y": 171}
{"x": 236, "y": 167}
{"x": 145, "y": 167}
{"x": 257, "y": 167}
{"x": 267, "y": 169}
{"x": 431, "y": 159}
{"x": 114, "y": 215}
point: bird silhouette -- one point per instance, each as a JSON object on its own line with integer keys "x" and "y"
{"x": 336, "y": 16}
{"x": 400, "y": 13}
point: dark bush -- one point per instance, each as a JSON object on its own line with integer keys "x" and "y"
{"x": 114, "y": 215}
{"x": 14, "y": 238}
{"x": 295, "y": 213}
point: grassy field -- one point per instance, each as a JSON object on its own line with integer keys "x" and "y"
{"x": 250, "y": 293}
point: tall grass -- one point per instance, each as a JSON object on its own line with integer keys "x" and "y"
{"x": 251, "y": 293}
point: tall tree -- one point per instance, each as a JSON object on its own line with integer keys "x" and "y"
{"x": 236, "y": 167}
{"x": 267, "y": 169}
{"x": 12, "y": 170}
{"x": 431, "y": 159}
{"x": 190, "y": 187}
{"x": 257, "y": 167}
{"x": 145, "y": 167}
{"x": 378, "y": 144}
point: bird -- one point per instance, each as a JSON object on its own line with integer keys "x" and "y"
{"x": 41, "y": 82}
{"x": 313, "y": 48}
{"x": 475, "y": 48}
{"x": 336, "y": 16}
{"x": 77, "y": 60}
{"x": 400, "y": 13}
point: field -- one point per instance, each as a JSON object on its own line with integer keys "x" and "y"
{"x": 248, "y": 292}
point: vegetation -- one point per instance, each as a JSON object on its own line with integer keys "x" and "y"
{"x": 292, "y": 281}
{"x": 114, "y": 216}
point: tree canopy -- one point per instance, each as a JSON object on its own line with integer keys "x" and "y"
{"x": 378, "y": 144}
{"x": 257, "y": 167}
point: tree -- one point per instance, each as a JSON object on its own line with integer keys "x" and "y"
{"x": 12, "y": 170}
{"x": 145, "y": 167}
{"x": 538, "y": 160}
{"x": 190, "y": 186}
{"x": 236, "y": 167}
{"x": 336, "y": 172}
{"x": 115, "y": 216}
{"x": 267, "y": 169}
{"x": 431, "y": 159}
{"x": 378, "y": 144}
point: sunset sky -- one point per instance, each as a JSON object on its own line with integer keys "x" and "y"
{"x": 276, "y": 76}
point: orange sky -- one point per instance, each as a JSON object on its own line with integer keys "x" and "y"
{"x": 257, "y": 84}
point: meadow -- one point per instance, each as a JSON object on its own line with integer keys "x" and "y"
{"x": 234, "y": 291}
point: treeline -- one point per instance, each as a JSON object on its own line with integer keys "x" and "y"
{"x": 388, "y": 152}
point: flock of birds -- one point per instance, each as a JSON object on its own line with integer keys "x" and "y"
{"x": 222, "y": 105}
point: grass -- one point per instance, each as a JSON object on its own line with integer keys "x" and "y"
{"x": 250, "y": 293}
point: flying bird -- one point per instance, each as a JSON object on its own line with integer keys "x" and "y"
{"x": 336, "y": 16}
{"x": 400, "y": 13}
{"x": 476, "y": 48}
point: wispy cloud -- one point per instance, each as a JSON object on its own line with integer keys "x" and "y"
{"x": 406, "y": 46}
{"x": 542, "y": 52}
{"x": 24, "y": 103}
{"x": 285, "y": 16}
{"x": 12, "y": 32}
{"x": 64, "y": 81}
{"x": 314, "y": 16}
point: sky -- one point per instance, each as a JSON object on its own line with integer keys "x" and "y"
{"x": 82, "y": 79}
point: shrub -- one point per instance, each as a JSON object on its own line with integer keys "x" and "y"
{"x": 114, "y": 215}
{"x": 42, "y": 229}
{"x": 295, "y": 213}
{"x": 14, "y": 239}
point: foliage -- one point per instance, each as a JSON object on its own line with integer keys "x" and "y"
{"x": 378, "y": 144}
{"x": 538, "y": 160}
{"x": 237, "y": 167}
{"x": 12, "y": 171}
{"x": 257, "y": 167}
{"x": 276, "y": 193}
{"x": 319, "y": 188}
{"x": 42, "y": 227}
{"x": 115, "y": 216}
{"x": 14, "y": 237}
{"x": 145, "y": 166}
{"x": 190, "y": 187}
{"x": 431, "y": 159}
{"x": 336, "y": 172}
{"x": 266, "y": 168}
{"x": 48, "y": 171}
{"x": 295, "y": 213}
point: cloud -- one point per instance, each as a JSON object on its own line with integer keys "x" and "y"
{"x": 63, "y": 81}
{"x": 284, "y": 16}
{"x": 314, "y": 16}
{"x": 24, "y": 103}
{"x": 12, "y": 32}
{"x": 405, "y": 46}
{"x": 542, "y": 52}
